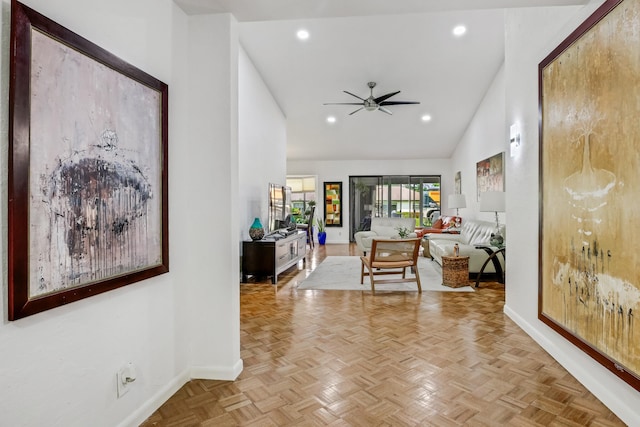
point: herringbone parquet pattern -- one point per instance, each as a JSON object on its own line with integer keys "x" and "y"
{"x": 349, "y": 358}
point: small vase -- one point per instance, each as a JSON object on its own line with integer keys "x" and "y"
{"x": 256, "y": 231}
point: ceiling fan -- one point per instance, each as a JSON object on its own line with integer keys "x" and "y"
{"x": 371, "y": 103}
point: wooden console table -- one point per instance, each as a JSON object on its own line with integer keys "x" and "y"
{"x": 269, "y": 257}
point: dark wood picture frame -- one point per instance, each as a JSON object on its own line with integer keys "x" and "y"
{"x": 83, "y": 183}
{"x": 589, "y": 284}
{"x": 332, "y": 204}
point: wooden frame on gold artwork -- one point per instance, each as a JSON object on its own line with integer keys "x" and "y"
{"x": 589, "y": 283}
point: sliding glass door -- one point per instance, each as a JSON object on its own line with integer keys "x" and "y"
{"x": 405, "y": 196}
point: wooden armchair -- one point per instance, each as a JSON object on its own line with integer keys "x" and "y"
{"x": 391, "y": 256}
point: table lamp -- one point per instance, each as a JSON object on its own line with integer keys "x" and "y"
{"x": 457, "y": 201}
{"x": 493, "y": 201}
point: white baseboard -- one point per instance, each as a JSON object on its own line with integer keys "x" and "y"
{"x": 150, "y": 406}
{"x": 217, "y": 372}
{"x": 583, "y": 372}
{"x": 158, "y": 399}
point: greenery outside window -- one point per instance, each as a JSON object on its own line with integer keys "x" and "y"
{"x": 303, "y": 196}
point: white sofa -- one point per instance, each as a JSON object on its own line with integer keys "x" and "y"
{"x": 384, "y": 228}
{"x": 473, "y": 233}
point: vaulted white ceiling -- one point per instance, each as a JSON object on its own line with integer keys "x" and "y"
{"x": 404, "y": 45}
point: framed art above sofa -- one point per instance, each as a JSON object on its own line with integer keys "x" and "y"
{"x": 490, "y": 174}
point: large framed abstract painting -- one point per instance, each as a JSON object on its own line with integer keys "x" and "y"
{"x": 490, "y": 174}
{"x": 589, "y": 280}
{"x": 87, "y": 168}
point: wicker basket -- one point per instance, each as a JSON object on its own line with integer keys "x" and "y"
{"x": 455, "y": 271}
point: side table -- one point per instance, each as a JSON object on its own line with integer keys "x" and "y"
{"x": 493, "y": 252}
{"x": 455, "y": 271}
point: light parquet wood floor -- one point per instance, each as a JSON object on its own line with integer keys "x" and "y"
{"x": 349, "y": 358}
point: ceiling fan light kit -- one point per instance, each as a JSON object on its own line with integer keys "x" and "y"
{"x": 371, "y": 103}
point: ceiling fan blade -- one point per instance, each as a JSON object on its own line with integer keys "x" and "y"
{"x": 342, "y": 103}
{"x": 384, "y": 110}
{"x": 384, "y": 97}
{"x": 353, "y": 112}
{"x": 398, "y": 102}
{"x": 345, "y": 91}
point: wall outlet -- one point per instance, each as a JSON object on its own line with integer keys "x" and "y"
{"x": 124, "y": 379}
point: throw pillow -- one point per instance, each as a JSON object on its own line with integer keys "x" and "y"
{"x": 437, "y": 224}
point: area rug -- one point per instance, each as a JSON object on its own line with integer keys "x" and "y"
{"x": 343, "y": 273}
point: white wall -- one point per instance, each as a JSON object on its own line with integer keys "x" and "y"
{"x": 57, "y": 368}
{"x": 212, "y": 172}
{"x": 263, "y": 146}
{"x": 484, "y": 137}
{"x": 531, "y": 34}
{"x": 341, "y": 170}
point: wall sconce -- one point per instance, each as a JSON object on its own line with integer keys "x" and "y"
{"x": 514, "y": 138}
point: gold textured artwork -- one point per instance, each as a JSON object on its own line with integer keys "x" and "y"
{"x": 590, "y": 161}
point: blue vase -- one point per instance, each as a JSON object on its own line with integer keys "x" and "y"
{"x": 322, "y": 237}
{"x": 256, "y": 231}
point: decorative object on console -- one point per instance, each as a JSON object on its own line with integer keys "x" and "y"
{"x": 589, "y": 290}
{"x": 88, "y": 168}
{"x": 457, "y": 201}
{"x": 490, "y": 174}
{"x": 332, "y": 206}
{"x": 256, "y": 231}
{"x": 493, "y": 201}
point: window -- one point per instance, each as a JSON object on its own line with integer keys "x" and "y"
{"x": 303, "y": 191}
{"x": 393, "y": 196}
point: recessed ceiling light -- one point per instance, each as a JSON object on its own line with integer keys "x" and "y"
{"x": 331, "y": 119}
{"x": 459, "y": 30}
{"x": 426, "y": 118}
{"x": 303, "y": 34}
